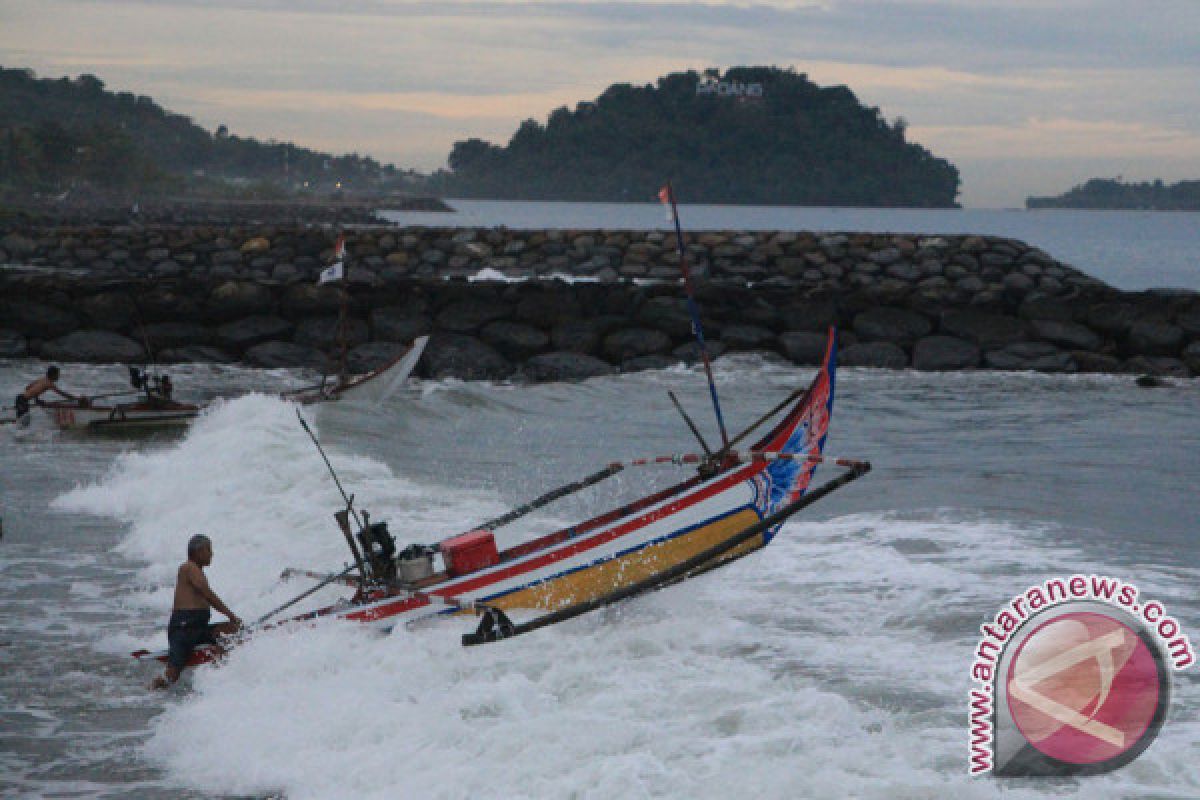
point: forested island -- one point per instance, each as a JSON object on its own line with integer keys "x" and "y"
{"x": 1101, "y": 194}
{"x": 72, "y": 135}
{"x": 758, "y": 135}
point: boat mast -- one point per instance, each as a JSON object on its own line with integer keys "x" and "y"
{"x": 667, "y": 195}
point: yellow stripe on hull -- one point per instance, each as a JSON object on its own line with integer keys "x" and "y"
{"x": 608, "y": 576}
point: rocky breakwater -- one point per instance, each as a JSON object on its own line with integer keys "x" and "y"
{"x": 568, "y": 304}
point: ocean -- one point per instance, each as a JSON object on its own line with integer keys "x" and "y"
{"x": 835, "y": 663}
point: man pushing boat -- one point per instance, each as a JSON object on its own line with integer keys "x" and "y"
{"x": 189, "y": 626}
{"x": 34, "y": 391}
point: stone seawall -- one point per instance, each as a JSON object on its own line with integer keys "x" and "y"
{"x": 248, "y": 294}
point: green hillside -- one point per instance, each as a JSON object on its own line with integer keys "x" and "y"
{"x": 58, "y": 134}
{"x": 769, "y": 136}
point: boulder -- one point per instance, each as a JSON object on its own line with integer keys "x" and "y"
{"x": 747, "y": 337}
{"x": 195, "y": 354}
{"x": 308, "y": 299}
{"x": 1155, "y": 365}
{"x": 1154, "y": 338}
{"x": 1070, "y": 335}
{"x": 563, "y": 366}
{"x": 36, "y": 320}
{"x": 667, "y": 314}
{"x": 584, "y": 335}
{"x": 623, "y": 345}
{"x": 1088, "y": 361}
{"x": 643, "y": 363}
{"x": 94, "y": 346}
{"x": 275, "y": 355}
{"x": 989, "y": 331}
{"x": 18, "y": 246}
{"x": 399, "y": 323}
{"x": 1038, "y": 356}
{"x": 896, "y": 325}
{"x": 815, "y": 316}
{"x": 167, "y": 335}
{"x": 249, "y": 331}
{"x": 873, "y": 354}
{"x": 454, "y": 355}
{"x": 936, "y": 353}
{"x": 372, "y": 355}
{"x": 1112, "y": 319}
{"x": 470, "y": 314}
{"x": 234, "y": 299}
{"x": 804, "y": 348}
{"x": 515, "y": 341}
{"x": 259, "y": 244}
{"x": 13, "y": 344}
{"x": 1042, "y": 307}
{"x": 165, "y": 304}
{"x": 545, "y": 309}
{"x": 689, "y": 353}
{"x": 108, "y": 310}
{"x": 1191, "y": 357}
{"x": 322, "y": 333}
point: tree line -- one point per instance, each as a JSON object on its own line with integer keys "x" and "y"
{"x": 1100, "y": 193}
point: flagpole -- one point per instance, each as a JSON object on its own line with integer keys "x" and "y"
{"x": 694, "y": 310}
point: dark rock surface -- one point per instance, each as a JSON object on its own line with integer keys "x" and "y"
{"x": 94, "y": 346}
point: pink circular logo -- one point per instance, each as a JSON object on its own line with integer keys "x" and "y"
{"x": 1084, "y": 688}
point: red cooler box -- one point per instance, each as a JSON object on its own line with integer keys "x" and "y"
{"x": 469, "y": 552}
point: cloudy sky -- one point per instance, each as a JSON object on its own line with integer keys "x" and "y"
{"x": 1024, "y": 96}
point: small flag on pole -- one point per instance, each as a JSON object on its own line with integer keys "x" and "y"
{"x": 664, "y": 197}
{"x": 335, "y": 271}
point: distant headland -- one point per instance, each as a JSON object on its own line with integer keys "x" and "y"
{"x": 752, "y": 135}
{"x": 1116, "y": 195}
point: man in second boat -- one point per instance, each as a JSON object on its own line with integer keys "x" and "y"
{"x": 34, "y": 391}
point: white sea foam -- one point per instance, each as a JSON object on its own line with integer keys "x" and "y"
{"x": 833, "y": 664}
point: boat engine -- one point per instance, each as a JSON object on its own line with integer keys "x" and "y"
{"x": 379, "y": 548}
{"x": 415, "y": 563}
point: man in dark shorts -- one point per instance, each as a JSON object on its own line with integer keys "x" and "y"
{"x": 35, "y": 390}
{"x": 189, "y": 626}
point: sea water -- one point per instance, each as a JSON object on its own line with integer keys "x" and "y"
{"x": 835, "y": 663}
{"x": 1130, "y": 250}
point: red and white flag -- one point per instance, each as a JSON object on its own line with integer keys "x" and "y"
{"x": 664, "y": 197}
{"x": 335, "y": 271}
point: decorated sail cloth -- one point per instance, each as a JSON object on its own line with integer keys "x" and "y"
{"x": 785, "y": 480}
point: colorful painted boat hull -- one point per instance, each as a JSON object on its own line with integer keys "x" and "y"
{"x": 628, "y": 545}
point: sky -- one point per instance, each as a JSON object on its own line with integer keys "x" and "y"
{"x": 1025, "y": 97}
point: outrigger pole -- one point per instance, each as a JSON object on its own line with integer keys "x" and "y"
{"x": 667, "y": 195}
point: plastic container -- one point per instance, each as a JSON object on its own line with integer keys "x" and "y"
{"x": 470, "y": 552}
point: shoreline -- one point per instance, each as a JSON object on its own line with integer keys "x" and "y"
{"x": 248, "y": 294}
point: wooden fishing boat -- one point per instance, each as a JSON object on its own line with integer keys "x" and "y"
{"x": 371, "y": 388}
{"x": 734, "y": 505}
{"x": 139, "y": 415}
{"x": 152, "y": 408}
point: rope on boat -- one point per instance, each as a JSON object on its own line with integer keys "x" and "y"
{"x": 502, "y": 628}
{"x": 550, "y": 496}
{"x": 747, "y": 456}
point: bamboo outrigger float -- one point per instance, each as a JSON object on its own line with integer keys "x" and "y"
{"x": 734, "y": 505}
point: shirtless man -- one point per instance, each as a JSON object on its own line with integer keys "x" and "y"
{"x": 189, "y": 626}
{"x": 36, "y": 389}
